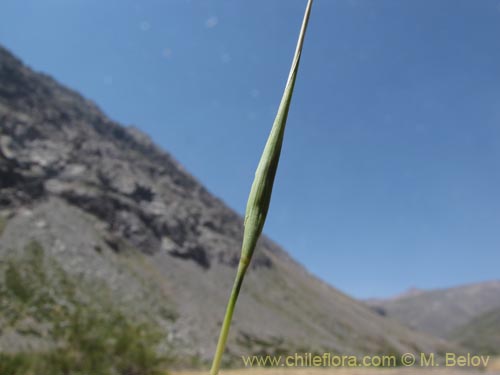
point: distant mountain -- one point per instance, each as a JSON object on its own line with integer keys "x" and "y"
{"x": 102, "y": 233}
{"x": 481, "y": 334}
{"x": 441, "y": 312}
{"x": 411, "y": 292}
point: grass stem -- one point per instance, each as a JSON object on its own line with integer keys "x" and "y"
{"x": 260, "y": 194}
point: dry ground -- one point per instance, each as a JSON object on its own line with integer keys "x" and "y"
{"x": 493, "y": 370}
{"x": 310, "y": 371}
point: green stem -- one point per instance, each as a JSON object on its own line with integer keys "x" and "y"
{"x": 221, "y": 344}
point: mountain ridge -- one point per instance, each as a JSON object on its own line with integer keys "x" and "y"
{"x": 441, "y": 311}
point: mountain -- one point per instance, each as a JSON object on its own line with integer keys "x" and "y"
{"x": 481, "y": 333}
{"x": 442, "y": 312}
{"x": 103, "y": 234}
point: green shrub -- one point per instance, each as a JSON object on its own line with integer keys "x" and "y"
{"x": 16, "y": 284}
{"x": 94, "y": 338}
{"x": 3, "y": 224}
{"x": 17, "y": 364}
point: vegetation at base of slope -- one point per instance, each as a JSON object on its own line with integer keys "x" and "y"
{"x": 481, "y": 334}
{"x": 39, "y": 301}
{"x": 3, "y": 224}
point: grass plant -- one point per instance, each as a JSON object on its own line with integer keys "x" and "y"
{"x": 260, "y": 193}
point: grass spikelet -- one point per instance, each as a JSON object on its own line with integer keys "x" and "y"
{"x": 260, "y": 193}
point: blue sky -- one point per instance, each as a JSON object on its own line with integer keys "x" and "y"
{"x": 390, "y": 172}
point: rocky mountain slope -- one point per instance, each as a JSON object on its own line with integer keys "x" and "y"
{"x": 441, "y": 312}
{"x": 481, "y": 334}
{"x": 97, "y": 221}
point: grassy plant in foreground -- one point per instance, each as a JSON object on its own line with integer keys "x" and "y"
{"x": 260, "y": 194}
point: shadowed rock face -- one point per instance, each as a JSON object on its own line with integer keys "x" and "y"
{"x": 122, "y": 218}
